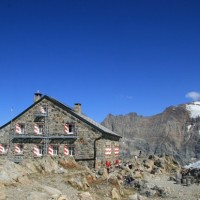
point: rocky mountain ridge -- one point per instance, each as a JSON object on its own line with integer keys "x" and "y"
{"x": 174, "y": 132}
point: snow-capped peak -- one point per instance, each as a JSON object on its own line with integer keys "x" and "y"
{"x": 194, "y": 109}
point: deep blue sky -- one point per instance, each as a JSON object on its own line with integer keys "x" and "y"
{"x": 113, "y": 56}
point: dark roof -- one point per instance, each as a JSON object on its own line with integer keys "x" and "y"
{"x": 80, "y": 116}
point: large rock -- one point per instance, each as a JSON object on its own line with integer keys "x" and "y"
{"x": 113, "y": 179}
{"x": 11, "y": 173}
{"x": 104, "y": 175}
{"x": 76, "y": 183}
{"x": 115, "y": 194}
{"x": 37, "y": 196}
{"x": 62, "y": 197}
{"x": 91, "y": 178}
{"x": 53, "y": 192}
{"x": 68, "y": 163}
{"x": 136, "y": 197}
{"x": 85, "y": 196}
{"x": 41, "y": 165}
{"x": 23, "y": 180}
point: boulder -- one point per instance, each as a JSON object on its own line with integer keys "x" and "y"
{"x": 23, "y": 180}
{"x": 137, "y": 175}
{"x": 48, "y": 164}
{"x": 53, "y": 192}
{"x": 37, "y": 196}
{"x": 85, "y": 196}
{"x": 148, "y": 164}
{"x": 104, "y": 175}
{"x": 114, "y": 180}
{"x": 68, "y": 163}
{"x": 62, "y": 197}
{"x": 85, "y": 183}
{"x": 91, "y": 178}
{"x": 76, "y": 183}
{"x": 115, "y": 194}
{"x": 160, "y": 163}
{"x": 10, "y": 172}
{"x": 29, "y": 166}
{"x": 41, "y": 165}
{"x": 136, "y": 197}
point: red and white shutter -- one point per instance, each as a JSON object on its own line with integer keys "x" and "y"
{"x": 18, "y": 129}
{"x": 42, "y": 110}
{"x": 2, "y": 150}
{"x": 36, "y": 129}
{"x": 66, "y": 128}
{"x": 17, "y": 149}
{"x": 36, "y": 151}
{"x": 50, "y": 150}
{"x": 116, "y": 150}
{"x": 108, "y": 150}
{"x": 66, "y": 150}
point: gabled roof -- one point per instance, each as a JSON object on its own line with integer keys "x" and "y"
{"x": 80, "y": 116}
{"x": 83, "y": 117}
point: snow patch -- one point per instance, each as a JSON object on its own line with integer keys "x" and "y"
{"x": 193, "y": 165}
{"x": 194, "y": 109}
{"x": 189, "y": 127}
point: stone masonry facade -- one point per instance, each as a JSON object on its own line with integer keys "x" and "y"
{"x": 44, "y": 134}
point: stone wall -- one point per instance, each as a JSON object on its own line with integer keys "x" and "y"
{"x": 103, "y": 155}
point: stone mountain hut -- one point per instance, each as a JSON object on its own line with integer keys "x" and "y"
{"x": 50, "y": 128}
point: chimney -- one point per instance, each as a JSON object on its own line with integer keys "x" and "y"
{"x": 77, "y": 108}
{"x": 37, "y": 96}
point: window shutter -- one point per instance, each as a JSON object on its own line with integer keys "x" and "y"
{"x": 18, "y": 129}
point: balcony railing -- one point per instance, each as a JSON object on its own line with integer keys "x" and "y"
{"x": 33, "y": 138}
{"x": 39, "y": 114}
{"x": 52, "y": 134}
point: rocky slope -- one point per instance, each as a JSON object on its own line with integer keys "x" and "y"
{"x": 175, "y": 131}
{"x": 63, "y": 179}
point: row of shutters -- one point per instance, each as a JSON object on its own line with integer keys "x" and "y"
{"x": 108, "y": 150}
{"x": 36, "y": 150}
{"x": 18, "y": 129}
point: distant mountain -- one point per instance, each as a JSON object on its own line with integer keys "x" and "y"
{"x": 175, "y": 131}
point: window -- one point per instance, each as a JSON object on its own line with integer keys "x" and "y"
{"x": 20, "y": 128}
{"x": 71, "y": 150}
{"x": 69, "y": 128}
{"x": 43, "y": 109}
{"x": 3, "y": 148}
{"x": 108, "y": 149}
{"x": 55, "y": 150}
{"x": 19, "y": 148}
{"x": 116, "y": 150}
{"x": 41, "y": 128}
{"x": 38, "y": 128}
{"x": 38, "y": 150}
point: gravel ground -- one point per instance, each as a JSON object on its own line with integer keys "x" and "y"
{"x": 177, "y": 191}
